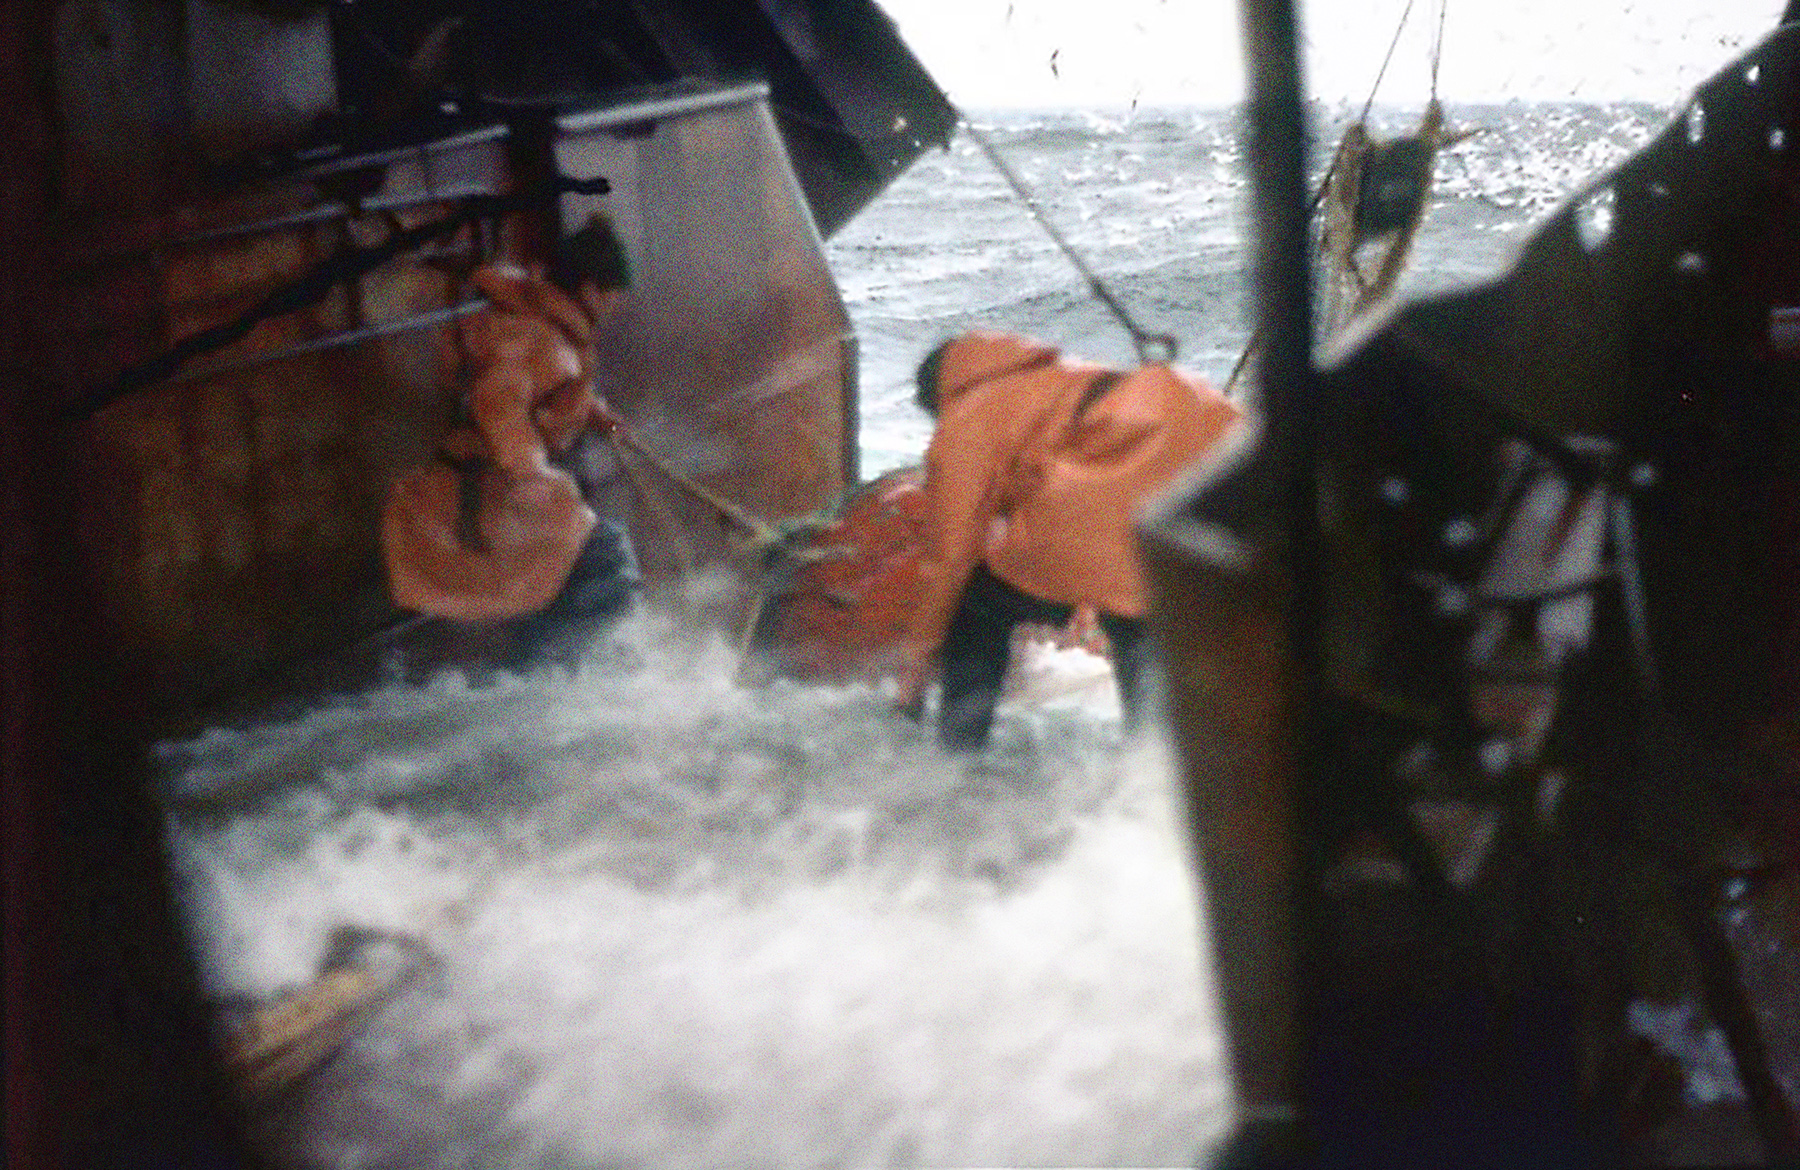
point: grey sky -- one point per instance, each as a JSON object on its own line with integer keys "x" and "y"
{"x": 1108, "y": 53}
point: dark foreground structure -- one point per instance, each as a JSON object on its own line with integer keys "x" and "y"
{"x": 1485, "y": 671}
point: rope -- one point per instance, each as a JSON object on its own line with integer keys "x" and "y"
{"x": 1324, "y": 187}
{"x": 764, "y": 537}
{"x": 761, "y": 532}
{"x": 1367, "y": 293}
{"x": 1255, "y": 342}
{"x": 1437, "y": 45}
{"x": 1151, "y": 347}
{"x": 661, "y": 514}
{"x": 1382, "y": 72}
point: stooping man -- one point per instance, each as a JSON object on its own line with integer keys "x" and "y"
{"x": 500, "y": 536}
{"x": 1032, "y": 477}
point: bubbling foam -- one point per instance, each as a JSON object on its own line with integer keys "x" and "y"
{"x": 675, "y": 922}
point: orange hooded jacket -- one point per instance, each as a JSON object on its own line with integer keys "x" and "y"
{"x": 530, "y": 355}
{"x": 1019, "y": 476}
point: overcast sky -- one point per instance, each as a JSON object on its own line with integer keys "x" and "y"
{"x": 1110, "y": 52}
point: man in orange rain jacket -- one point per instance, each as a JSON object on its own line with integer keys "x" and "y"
{"x": 1031, "y": 481}
{"x": 502, "y": 534}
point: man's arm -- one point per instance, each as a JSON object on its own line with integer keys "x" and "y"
{"x": 500, "y": 404}
{"x": 962, "y": 469}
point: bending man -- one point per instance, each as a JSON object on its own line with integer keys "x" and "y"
{"x": 1031, "y": 481}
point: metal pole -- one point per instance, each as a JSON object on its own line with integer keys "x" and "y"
{"x": 1287, "y": 397}
{"x": 1282, "y": 264}
{"x": 1273, "y": 1133}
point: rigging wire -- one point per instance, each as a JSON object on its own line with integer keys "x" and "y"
{"x": 1437, "y": 51}
{"x": 1158, "y": 348}
{"x": 1382, "y": 72}
{"x": 1437, "y": 46}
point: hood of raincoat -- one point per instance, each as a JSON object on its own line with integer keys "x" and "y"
{"x": 981, "y": 356}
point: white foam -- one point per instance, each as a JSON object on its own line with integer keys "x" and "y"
{"x": 678, "y": 923}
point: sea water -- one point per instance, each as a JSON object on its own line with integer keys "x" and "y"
{"x": 637, "y": 915}
{"x": 1157, "y": 205}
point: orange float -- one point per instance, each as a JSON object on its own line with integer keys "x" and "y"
{"x": 840, "y": 618}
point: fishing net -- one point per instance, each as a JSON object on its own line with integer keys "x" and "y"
{"x": 1373, "y": 199}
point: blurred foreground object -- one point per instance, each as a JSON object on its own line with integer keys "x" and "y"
{"x": 1485, "y": 677}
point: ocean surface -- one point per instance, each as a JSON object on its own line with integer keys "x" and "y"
{"x": 638, "y": 915}
{"x": 1157, "y": 204}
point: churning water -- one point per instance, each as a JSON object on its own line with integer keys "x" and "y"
{"x": 640, "y": 916}
{"x": 653, "y": 918}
